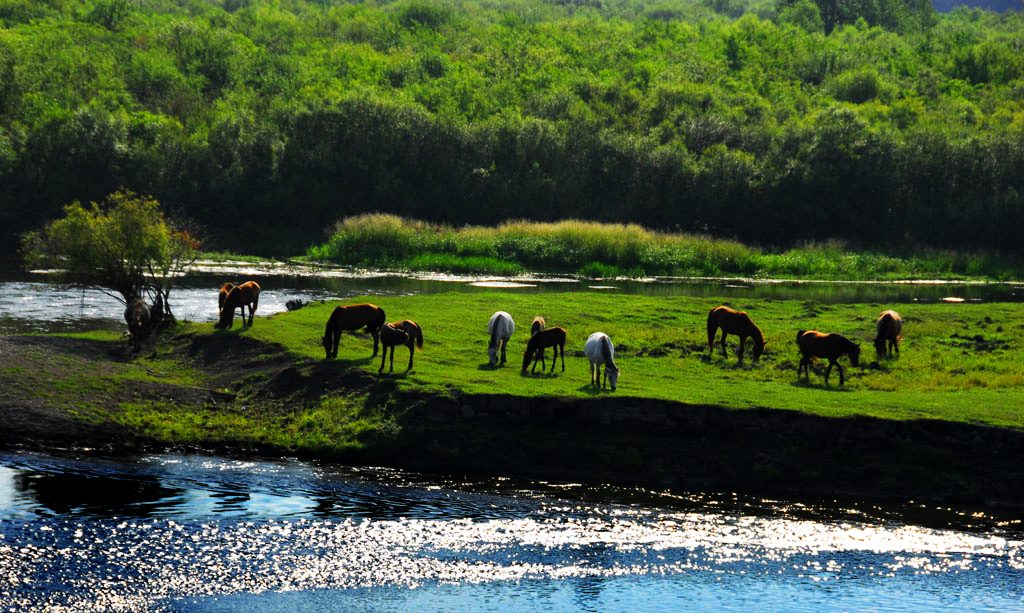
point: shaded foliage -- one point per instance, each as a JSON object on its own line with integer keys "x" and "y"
{"x": 769, "y": 122}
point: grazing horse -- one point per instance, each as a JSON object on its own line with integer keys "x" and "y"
{"x": 136, "y": 314}
{"x": 535, "y": 327}
{"x": 549, "y": 337}
{"x": 500, "y": 328}
{"x": 820, "y": 345}
{"x": 240, "y": 296}
{"x": 599, "y": 350}
{"x": 736, "y": 322}
{"x": 222, "y": 295}
{"x": 888, "y": 328}
{"x": 405, "y": 332}
{"x": 352, "y": 317}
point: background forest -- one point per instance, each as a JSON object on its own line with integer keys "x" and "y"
{"x": 880, "y": 122}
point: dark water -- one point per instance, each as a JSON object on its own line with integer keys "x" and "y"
{"x": 31, "y": 303}
{"x": 197, "y": 533}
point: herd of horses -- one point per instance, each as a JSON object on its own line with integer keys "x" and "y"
{"x": 598, "y": 348}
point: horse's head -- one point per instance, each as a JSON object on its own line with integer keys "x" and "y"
{"x": 759, "y": 349}
{"x": 880, "y": 345}
{"x": 326, "y": 342}
{"x": 854, "y": 354}
{"x": 492, "y": 354}
{"x": 612, "y": 373}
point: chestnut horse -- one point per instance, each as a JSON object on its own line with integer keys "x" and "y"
{"x": 535, "y": 327}
{"x": 888, "y": 328}
{"x": 240, "y": 296}
{"x": 352, "y": 317}
{"x": 222, "y": 295}
{"x": 736, "y": 322}
{"x": 820, "y": 345}
{"x": 136, "y": 314}
{"x": 405, "y": 332}
{"x": 549, "y": 337}
{"x": 600, "y": 350}
{"x": 500, "y": 328}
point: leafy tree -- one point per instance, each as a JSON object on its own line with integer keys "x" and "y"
{"x": 123, "y": 246}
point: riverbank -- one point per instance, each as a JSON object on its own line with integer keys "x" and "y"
{"x": 604, "y": 250}
{"x": 680, "y": 420}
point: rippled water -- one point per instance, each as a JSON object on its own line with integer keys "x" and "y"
{"x": 206, "y": 533}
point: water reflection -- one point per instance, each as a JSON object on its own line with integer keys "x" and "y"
{"x": 204, "y": 533}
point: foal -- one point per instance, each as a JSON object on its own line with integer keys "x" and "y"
{"x": 405, "y": 332}
{"x": 736, "y": 322}
{"x": 550, "y": 337}
{"x": 820, "y": 345}
{"x": 239, "y": 297}
{"x": 136, "y": 315}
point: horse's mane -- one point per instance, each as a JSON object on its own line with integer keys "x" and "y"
{"x": 606, "y": 352}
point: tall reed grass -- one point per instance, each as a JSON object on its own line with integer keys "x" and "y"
{"x": 604, "y": 249}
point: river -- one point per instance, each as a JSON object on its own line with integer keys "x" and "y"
{"x": 197, "y": 533}
{"x": 32, "y": 303}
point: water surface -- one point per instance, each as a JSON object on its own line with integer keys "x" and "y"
{"x": 207, "y": 533}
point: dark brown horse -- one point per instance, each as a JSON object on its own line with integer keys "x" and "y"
{"x": 352, "y": 317}
{"x": 535, "y": 327}
{"x": 240, "y": 296}
{"x": 136, "y": 315}
{"x": 814, "y": 344}
{"x": 222, "y": 295}
{"x": 405, "y": 332}
{"x": 888, "y": 328}
{"x": 735, "y": 322}
{"x": 550, "y": 337}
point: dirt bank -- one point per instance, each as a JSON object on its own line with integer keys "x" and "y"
{"x": 63, "y": 392}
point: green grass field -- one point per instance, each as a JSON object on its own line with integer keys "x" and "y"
{"x": 959, "y": 362}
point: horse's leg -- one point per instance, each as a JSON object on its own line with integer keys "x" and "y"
{"x": 561, "y": 351}
{"x": 543, "y": 363}
{"x": 743, "y": 341}
{"x": 392, "y": 367}
{"x": 376, "y": 339}
{"x": 828, "y": 370}
{"x": 712, "y": 328}
{"x": 724, "y": 350}
{"x": 842, "y": 379}
{"x": 335, "y": 341}
{"x": 383, "y": 357}
{"x": 504, "y": 345}
{"x": 591, "y": 374}
{"x": 412, "y": 349}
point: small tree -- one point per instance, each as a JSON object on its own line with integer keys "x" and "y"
{"x": 123, "y": 247}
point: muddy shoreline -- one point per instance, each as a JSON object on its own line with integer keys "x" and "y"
{"x": 608, "y": 439}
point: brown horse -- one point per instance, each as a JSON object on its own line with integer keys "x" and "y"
{"x": 820, "y": 345}
{"x": 405, "y": 332}
{"x": 549, "y": 337}
{"x": 240, "y": 296}
{"x": 136, "y": 314}
{"x": 535, "y": 327}
{"x": 222, "y": 295}
{"x": 736, "y": 322}
{"x": 352, "y": 317}
{"x": 888, "y": 328}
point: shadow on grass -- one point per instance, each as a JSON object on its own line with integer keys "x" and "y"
{"x": 820, "y": 385}
{"x": 590, "y": 390}
{"x": 487, "y": 366}
{"x": 539, "y": 375}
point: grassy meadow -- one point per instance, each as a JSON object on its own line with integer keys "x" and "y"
{"x": 959, "y": 362}
{"x": 594, "y": 249}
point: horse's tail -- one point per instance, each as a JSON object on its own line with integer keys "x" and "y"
{"x": 381, "y": 318}
{"x": 419, "y": 335}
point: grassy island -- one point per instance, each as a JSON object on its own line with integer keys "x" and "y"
{"x": 959, "y": 381}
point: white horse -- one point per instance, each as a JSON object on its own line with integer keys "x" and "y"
{"x": 500, "y": 328}
{"x": 888, "y": 328}
{"x": 599, "y": 350}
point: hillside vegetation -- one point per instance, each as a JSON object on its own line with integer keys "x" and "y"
{"x": 265, "y": 122}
